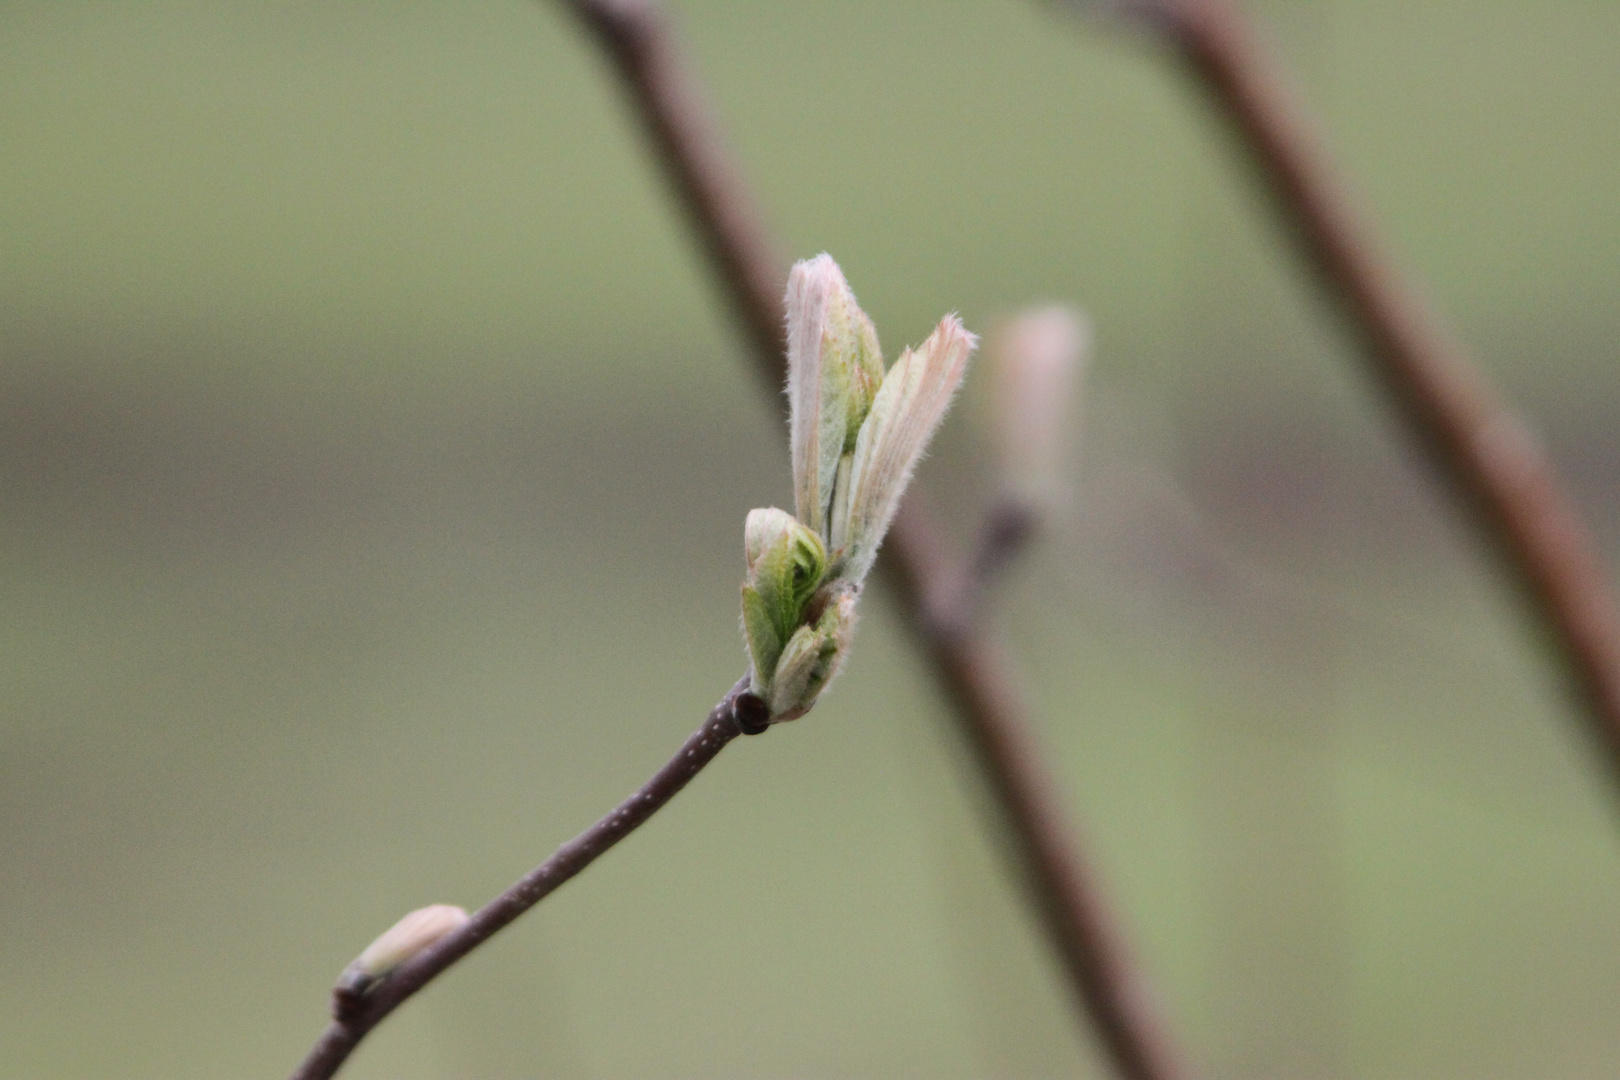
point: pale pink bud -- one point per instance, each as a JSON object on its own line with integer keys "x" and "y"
{"x": 1037, "y": 361}
{"x": 909, "y": 405}
{"x": 834, "y": 368}
{"x": 400, "y": 942}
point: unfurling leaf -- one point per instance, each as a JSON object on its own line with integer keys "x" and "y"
{"x": 912, "y": 401}
{"x": 786, "y": 562}
{"x": 834, "y": 368}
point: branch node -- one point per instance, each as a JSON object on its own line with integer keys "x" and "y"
{"x": 750, "y": 713}
{"x": 346, "y": 1000}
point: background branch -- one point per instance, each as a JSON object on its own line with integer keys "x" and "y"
{"x": 1005, "y": 533}
{"x": 1048, "y": 861}
{"x": 982, "y": 696}
{"x": 1482, "y": 447}
{"x": 353, "y": 1019}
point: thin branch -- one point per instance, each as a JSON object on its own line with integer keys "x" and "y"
{"x": 1482, "y": 446}
{"x": 1008, "y": 527}
{"x": 1078, "y": 923}
{"x": 634, "y": 34}
{"x": 735, "y": 713}
{"x": 1077, "y": 917}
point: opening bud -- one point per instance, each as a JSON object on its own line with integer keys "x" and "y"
{"x": 858, "y": 432}
{"x": 835, "y": 366}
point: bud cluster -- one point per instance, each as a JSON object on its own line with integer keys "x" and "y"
{"x": 858, "y": 432}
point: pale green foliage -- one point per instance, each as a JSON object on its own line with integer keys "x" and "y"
{"x": 857, "y": 434}
{"x": 812, "y": 656}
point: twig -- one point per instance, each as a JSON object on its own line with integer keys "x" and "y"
{"x": 736, "y": 713}
{"x": 634, "y": 34}
{"x": 1078, "y": 923}
{"x": 1481, "y": 444}
{"x": 1008, "y": 527}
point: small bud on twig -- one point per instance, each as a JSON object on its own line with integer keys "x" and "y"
{"x": 1036, "y": 360}
{"x": 396, "y": 945}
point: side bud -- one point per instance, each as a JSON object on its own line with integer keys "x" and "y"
{"x": 398, "y": 943}
{"x": 1036, "y": 360}
{"x": 786, "y": 563}
{"x": 813, "y": 656}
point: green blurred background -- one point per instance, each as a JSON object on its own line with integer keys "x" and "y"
{"x": 374, "y": 451}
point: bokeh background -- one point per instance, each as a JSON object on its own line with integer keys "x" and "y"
{"x": 374, "y": 451}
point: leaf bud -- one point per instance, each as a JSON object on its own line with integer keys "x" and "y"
{"x": 786, "y": 563}
{"x": 399, "y": 943}
{"x": 835, "y": 366}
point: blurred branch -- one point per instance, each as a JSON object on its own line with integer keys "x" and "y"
{"x": 635, "y": 36}
{"x": 1005, "y": 533}
{"x": 1078, "y": 923}
{"x": 1483, "y": 448}
{"x": 354, "y": 1015}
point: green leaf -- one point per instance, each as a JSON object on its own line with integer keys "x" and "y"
{"x": 764, "y": 642}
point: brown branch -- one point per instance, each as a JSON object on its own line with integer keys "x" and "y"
{"x": 1006, "y": 532}
{"x": 634, "y": 34}
{"x": 1480, "y": 443}
{"x": 736, "y": 713}
{"x": 1074, "y": 915}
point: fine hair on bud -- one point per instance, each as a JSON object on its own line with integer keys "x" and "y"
{"x": 909, "y": 406}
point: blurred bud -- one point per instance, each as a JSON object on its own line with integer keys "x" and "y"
{"x": 834, "y": 368}
{"x": 1037, "y": 361}
{"x": 399, "y": 943}
{"x": 786, "y": 562}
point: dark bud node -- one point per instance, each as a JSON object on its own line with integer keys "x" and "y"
{"x": 753, "y": 716}
{"x": 347, "y": 997}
